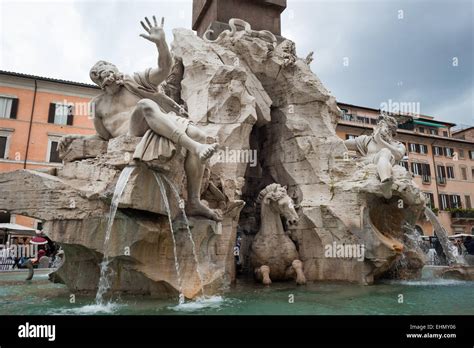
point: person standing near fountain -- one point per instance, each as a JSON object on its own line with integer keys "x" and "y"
{"x": 133, "y": 105}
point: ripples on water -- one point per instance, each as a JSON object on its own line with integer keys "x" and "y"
{"x": 41, "y": 297}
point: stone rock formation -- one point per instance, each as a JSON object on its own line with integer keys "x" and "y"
{"x": 250, "y": 93}
{"x": 269, "y": 97}
{"x": 75, "y": 205}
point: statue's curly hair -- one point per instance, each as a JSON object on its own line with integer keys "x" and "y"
{"x": 274, "y": 191}
{"x": 389, "y": 120}
{"x": 99, "y": 67}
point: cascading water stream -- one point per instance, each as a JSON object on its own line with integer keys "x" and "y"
{"x": 433, "y": 258}
{"x": 104, "y": 280}
{"x": 168, "y": 211}
{"x": 181, "y": 206}
{"x": 452, "y": 256}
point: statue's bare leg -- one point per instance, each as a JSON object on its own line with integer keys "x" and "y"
{"x": 263, "y": 274}
{"x": 194, "y": 172}
{"x": 297, "y": 265}
{"x": 384, "y": 165}
{"x": 147, "y": 114}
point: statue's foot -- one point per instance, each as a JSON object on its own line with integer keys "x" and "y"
{"x": 298, "y": 267}
{"x": 265, "y": 271}
{"x": 199, "y": 209}
{"x": 205, "y": 151}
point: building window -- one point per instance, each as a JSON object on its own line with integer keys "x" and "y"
{"x": 418, "y": 148}
{"x": 350, "y": 136}
{"x": 53, "y": 153}
{"x": 443, "y": 202}
{"x": 422, "y": 169}
{"x": 5, "y": 137}
{"x": 464, "y": 173}
{"x": 449, "y": 152}
{"x": 438, "y": 151}
{"x": 433, "y": 131}
{"x": 421, "y": 129}
{"x": 461, "y": 153}
{"x": 416, "y": 168}
{"x": 60, "y": 114}
{"x": 449, "y": 201}
{"x": 373, "y": 121}
{"x": 445, "y": 133}
{"x": 450, "y": 172}
{"x": 471, "y": 154}
{"x": 472, "y": 174}
{"x": 441, "y": 174}
{"x": 3, "y": 147}
{"x": 404, "y": 164}
{"x": 429, "y": 200}
{"x": 363, "y": 119}
{"x": 467, "y": 199}
{"x": 8, "y": 107}
{"x": 455, "y": 201}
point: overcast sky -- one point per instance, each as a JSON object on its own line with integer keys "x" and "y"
{"x": 366, "y": 52}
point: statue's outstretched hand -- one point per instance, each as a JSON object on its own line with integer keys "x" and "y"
{"x": 155, "y": 32}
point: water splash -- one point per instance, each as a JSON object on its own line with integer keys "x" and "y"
{"x": 104, "y": 281}
{"x": 168, "y": 211}
{"x": 200, "y": 303}
{"x": 107, "y": 308}
{"x": 190, "y": 235}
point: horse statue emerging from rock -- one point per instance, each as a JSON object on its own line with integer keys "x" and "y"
{"x": 273, "y": 254}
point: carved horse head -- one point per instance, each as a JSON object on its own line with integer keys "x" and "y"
{"x": 276, "y": 197}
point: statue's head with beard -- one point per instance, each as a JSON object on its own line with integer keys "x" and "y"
{"x": 387, "y": 127}
{"x": 107, "y": 76}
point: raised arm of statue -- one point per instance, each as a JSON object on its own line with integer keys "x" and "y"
{"x": 156, "y": 34}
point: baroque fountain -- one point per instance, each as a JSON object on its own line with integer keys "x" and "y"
{"x": 148, "y": 207}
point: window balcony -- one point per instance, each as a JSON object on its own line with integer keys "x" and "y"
{"x": 441, "y": 181}
{"x": 462, "y": 215}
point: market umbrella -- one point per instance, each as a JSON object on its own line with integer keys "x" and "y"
{"x": 38, "y": 240}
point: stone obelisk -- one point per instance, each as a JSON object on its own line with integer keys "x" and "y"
{"x": 215, "y": 14}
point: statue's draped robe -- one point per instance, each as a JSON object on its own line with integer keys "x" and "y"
{"x": 153, "y": 146}
{"x": 362, "y": 143}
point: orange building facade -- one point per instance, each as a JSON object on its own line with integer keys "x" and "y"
{"x": 440, "y": 160}
{"x": 35, "y": 112}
